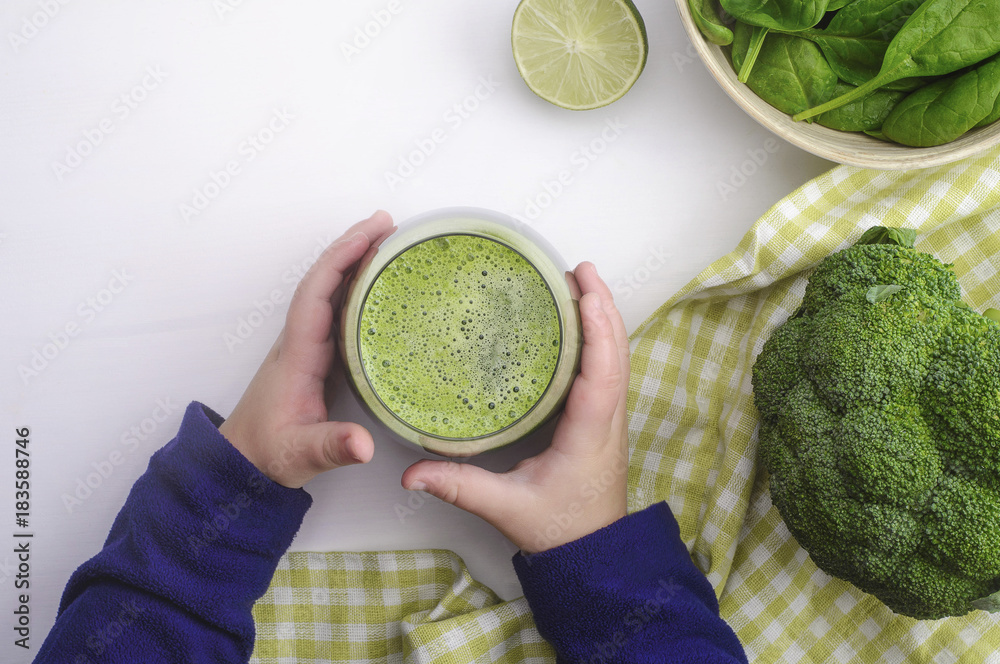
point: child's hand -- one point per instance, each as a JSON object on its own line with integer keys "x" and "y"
{"x": 280, "y": 424}
{"x": 578, "y": 484}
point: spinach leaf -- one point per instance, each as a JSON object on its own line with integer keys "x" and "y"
{"x": 837, "y": 4}
{"x": 992, "y": 117}
{"x": 943, "y": 110}
{"x": 791, "y": 73}
{"x": 908, "y": 84}
{"x": 789, "y": 15}
{"x": 940, "y": 37}
{"x": 855, "y": 41}
{"x": 742, "y": 32}
{"x": 866, "y": 114}
{"x": 706, "y": 17}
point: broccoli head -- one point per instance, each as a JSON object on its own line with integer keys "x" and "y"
{"x": 879, "y": 404}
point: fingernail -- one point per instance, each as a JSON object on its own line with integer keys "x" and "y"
{"x": 358, "y": 237}
{"x": 417, "y": 486}
{"x": 596, "y": 299}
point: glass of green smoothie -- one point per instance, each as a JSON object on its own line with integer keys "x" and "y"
{"x": 462, "y": 333}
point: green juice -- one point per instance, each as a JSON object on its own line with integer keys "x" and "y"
{"x": 459, "y": 336}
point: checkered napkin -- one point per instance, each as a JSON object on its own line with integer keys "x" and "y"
{"x": 389, "y": 606}
{"x": 692, "y": 434}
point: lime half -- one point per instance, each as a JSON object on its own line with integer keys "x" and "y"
{"x": 579, "y": 54}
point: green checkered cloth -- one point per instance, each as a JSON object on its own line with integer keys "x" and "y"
{"x": 692, "y": 433}
{"x": 389, "y": 606}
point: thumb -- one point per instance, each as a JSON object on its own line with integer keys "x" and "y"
{"x": 468, "y": 487}
{"x": 329, "y": 445}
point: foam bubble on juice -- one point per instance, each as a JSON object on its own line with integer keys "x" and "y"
{"x": 459, "y": 336}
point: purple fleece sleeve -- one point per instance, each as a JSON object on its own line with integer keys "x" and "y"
{"x": 627, "y": 593}
{"x": 193, "y": 548}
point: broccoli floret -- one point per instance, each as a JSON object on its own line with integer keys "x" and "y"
{"x": 879, "y": 403}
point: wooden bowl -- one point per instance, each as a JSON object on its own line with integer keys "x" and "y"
{"x": 855, "y": 149}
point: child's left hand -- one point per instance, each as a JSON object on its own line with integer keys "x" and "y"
{"x": 280, "y": 424}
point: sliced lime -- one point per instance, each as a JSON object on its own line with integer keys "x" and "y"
{"x": 579, "y": 54}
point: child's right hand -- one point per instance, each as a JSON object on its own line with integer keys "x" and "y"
{"x": 578, "y": 484}
{"x": 281, "y": 422}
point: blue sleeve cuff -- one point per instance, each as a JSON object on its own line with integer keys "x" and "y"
{"x": 202, "y": 528}
{"x": 628, "y": 592}
{"x": 642, "y": 549}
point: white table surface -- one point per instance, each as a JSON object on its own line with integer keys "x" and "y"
{"x": 160, "y": 95}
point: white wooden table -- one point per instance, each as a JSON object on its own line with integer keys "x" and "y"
{"x": 170, "y": 169}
